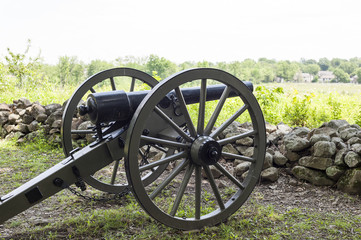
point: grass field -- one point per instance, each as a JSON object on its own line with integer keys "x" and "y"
{"x": 296, "y": 104}
{"x": 315, "y": 103}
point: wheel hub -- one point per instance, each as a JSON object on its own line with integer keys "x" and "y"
{"x": 205, "y": 151}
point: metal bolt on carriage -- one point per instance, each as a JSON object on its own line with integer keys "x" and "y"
{"x": 161, "y": 141}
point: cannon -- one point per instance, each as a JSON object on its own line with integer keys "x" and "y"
{"x": 172, "y": 139}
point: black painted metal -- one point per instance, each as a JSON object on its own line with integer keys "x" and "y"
{"x": 120, "y": 106}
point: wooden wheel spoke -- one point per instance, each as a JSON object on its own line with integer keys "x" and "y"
{"x": 169, "y": 178}
{"x": 236, "y": 137}
{"x": 172, "y": 124}
{"x": 163, "y": 161}
{"x": 92, "y": 90}
{"x": 217, "y": 110}
{"x": 184, "y": 110}
{"x": 229, "y": 121}
{"x": 198, "y": 189}
{"x": 236, "y": 156}
{"x": 229, "y": 175}
{"x": 164, "y": 142}
{"x": 214, "y": 187}
{"x": 132, "y": 84}
{"x": 112, "y": 83}
{"x": 181, "y": 190}
{"x": 202, "y": 106}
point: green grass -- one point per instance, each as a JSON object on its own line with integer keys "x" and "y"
{"x": 252, "y": 221}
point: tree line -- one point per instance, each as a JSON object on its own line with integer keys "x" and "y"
{"x": 69, "y": 70}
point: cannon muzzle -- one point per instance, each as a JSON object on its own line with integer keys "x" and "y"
{"x": 120, "y": 105}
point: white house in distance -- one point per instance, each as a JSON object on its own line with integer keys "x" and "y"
{"x": 325, "y": 76}
{"x": 303, "y": 77}
{"x": 354, "y": 79}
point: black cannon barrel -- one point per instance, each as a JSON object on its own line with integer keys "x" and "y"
{"x": 120, "y": 106}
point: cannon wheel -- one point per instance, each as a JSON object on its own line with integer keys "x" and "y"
{"x": 107, "y": 78}
{"x": 189, "y": 196}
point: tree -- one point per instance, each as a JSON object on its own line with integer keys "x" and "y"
{"x": 311, "y": 69}
{"x": 358, "y": 73}
{"x": 286, "y": 70}
{"x": 324, "y": 64}
{"x": 341, "y": 76}
{"x": 132, "y": 62}
{"x": 268, "y": 74}
{"x": 204, "y": 64}
{"x": 335, "y": 62}
{"x": 4, "y": 84}
{"x": 96, "y": 66}
{"x": 162, "y": 66}
{"x": 78, "y": 73}
{"x": 348, "y": 67}
{"x": 235, "y": 68}
{"x": 22, "y": 66}
{"x": 222, "y": 65}
{"x": 308, "y": 61}
{"x": 187, "y": 65}
{"x": 64, "y": 67}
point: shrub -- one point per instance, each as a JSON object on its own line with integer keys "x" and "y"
{"x": 268, "y": 99}
{"x": 297, "y": 113}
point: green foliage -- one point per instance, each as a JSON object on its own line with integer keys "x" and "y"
{"x": 268, "y": 98}
{"x": 132, "y": 62}
{"x": 324, "y": 64}
{"x": 5, "y": 82}
{"x": 358, "y": 73}
{"x": 69, "y": 70}
{"x": 357, "y": 117}
{"x": 341, "y": 76}
{"x": 96, "y": 66}
{"x": 296, "y": 113}
{"x": 162, "y": 66}
{"x": 286, "y": 70}
{"x": 23, "y": 67}
{"x": 311, "y": 69}
{"x": 348, "y": 66}
{"x": 155, "y": 75}
{"x": 335, "y": 106}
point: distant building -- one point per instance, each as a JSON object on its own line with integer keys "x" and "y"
{"x": 279, "y": 79}
{"x": 325, "y": 76}
{"x": 353, "y": 79}
{"x": 303, "y": 77}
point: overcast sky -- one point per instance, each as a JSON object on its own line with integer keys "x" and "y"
{"x": 223, "y": 30}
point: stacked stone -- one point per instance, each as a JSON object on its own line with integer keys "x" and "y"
{"x": 327, "y": 156}
{"x": 245, "y": 147}
{"x": 24, "y": 120}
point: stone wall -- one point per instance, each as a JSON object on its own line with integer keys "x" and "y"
{"x": 25, "y": 120}
{"x": 327, "y": 156}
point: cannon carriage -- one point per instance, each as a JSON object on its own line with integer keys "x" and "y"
{"x": 168, "y": 138}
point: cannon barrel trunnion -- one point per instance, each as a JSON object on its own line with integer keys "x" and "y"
{"x": 172, "y": 139}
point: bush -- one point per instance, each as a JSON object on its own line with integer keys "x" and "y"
{"x": 269, "y": 99}
{"x": 297, "y": 113}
